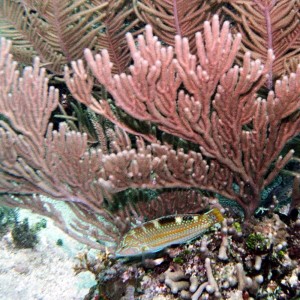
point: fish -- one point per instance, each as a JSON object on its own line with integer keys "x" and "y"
{"x": 155, "y": 235}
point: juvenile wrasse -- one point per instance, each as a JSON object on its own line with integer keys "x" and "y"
{"x": 158, "y": 234}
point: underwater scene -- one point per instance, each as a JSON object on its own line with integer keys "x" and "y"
{"x": 150, "y": 150}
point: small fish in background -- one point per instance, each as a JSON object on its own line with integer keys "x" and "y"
{"x": 158, "y": 234}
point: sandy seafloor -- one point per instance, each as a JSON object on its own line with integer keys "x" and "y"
{"x": 45, "y": 272}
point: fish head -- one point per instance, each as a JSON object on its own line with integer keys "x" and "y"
{"x": 127, "y": 251}
{"x": 130, "y": 246}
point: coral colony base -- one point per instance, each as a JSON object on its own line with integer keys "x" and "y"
{"x": 150, "y": 151}
{"x": 223, "y": 264}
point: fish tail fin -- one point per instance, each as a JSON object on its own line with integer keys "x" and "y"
{"x": 215, "y": 215}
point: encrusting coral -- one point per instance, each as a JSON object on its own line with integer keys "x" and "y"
{"x": 197, "y": 271}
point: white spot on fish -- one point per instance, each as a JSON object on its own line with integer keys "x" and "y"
{"x": 178, "y": 220}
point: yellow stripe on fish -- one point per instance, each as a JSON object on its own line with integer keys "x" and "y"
{"x": 158, "y": 234}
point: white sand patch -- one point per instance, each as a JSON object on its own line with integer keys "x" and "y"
{"x": 45, "y": 272}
